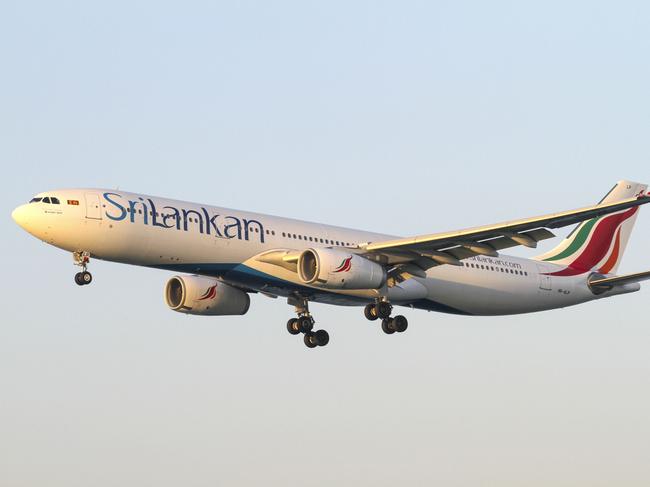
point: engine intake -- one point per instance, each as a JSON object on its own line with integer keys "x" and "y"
{"x": 337, "y": 269}
{"x": 198, "y": 295}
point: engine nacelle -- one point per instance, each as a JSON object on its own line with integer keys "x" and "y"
{"x": 337, "y": 269}
{"x": 198, "y": 295}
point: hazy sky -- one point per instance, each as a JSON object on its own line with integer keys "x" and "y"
{"x": 399, "y": 117}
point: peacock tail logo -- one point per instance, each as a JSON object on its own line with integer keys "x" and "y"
{"x": 211, "y": 293}
{"x": 593, "y": 241}
{"x": 345, "y": 265}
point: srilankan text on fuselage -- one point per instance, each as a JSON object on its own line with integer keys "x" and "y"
{"x": 180, "y": 219}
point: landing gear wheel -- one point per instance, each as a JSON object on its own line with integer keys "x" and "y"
{"x": 383, "y": 309}
{"x": 86, "y": 277}
{"x": 371, "y": 312}
{"x": 322, "y": 337}
{"x": 310, "y": 340}
{"x": 400, "y": 323}
{"x": 78, "y": 279}
{"x": 306, "y": 324}
{"x": 387, "y": 326}
{"x": 293, "y": 327}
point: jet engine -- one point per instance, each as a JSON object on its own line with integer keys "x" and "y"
{"x": 198, "y": 295}
{"x": 338, "y": 269}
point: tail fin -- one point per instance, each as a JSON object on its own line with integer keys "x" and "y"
{"x": 598, "y": 244}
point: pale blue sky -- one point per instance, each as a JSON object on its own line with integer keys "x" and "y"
{"x": 399, "y": 117}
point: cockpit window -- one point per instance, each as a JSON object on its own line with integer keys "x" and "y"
{"x": 48, "y": 199}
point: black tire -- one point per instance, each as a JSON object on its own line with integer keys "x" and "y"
{"x": 370, "y": 311}
{"x": 86, "y": 277}
{"x": 293, "y": 327}
{"x": 383, "y": 309}
{"x": 306, "y": 324}
{"x": 400, "y": 324}
{"x": 322, "y": 338}
{"x": 386, "y": 326}
{"x": 310, "y": 340}
{"x": 78, "y": 280}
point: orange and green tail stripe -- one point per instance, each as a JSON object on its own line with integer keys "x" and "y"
{"x": 591, "y": 244}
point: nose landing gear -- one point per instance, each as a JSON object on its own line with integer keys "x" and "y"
{"x": 382, "y": 310}
{"x": 305, "y": 324}
{"x": 82, "y": 259}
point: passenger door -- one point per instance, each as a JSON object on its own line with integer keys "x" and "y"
{"x": 93, "y": 206}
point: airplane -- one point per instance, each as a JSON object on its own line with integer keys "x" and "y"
{"x": 225, "y": 255}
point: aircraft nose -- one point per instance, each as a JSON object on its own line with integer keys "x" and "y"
{"x": 20, "y": 216}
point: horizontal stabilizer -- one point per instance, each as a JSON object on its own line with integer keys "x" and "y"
{"x": 609, "y": 282}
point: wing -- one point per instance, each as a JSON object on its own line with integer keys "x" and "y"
{"x": 413, "y": 255}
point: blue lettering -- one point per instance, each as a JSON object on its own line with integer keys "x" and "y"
{"x": 210, "y": 223}
{"x": 192, "y": 212}
{"x": 145, "y": 211}
{"x": 116, "y": 205}
{"x": 247, "y": 225}
{"x": 154, "y": 215}
{"x": 175, "y": 216}
{"x": 132, "y": 210}
{"x": 170, "y": 217}
{"x": 227, "y": 228}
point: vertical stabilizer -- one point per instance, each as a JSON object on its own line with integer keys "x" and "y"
{"x": 598, "y": 244}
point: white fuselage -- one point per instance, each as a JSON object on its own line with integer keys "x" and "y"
{"x": 149, "y": 231}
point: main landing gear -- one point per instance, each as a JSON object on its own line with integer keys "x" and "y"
{"x": 82, "y": 259}
{"x": 382, "y": 310}
{"x": 305, "y": 324}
